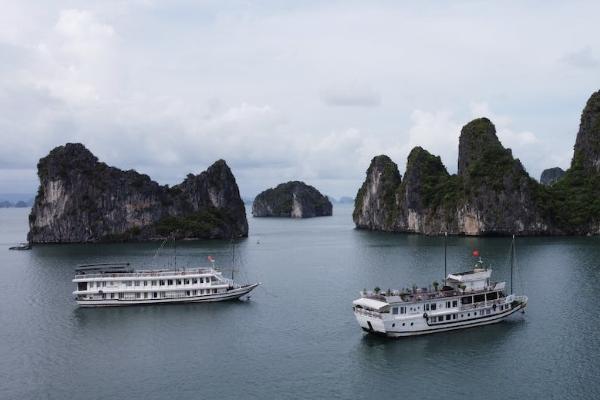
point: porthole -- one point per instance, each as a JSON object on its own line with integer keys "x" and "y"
{"x": 403, "y": 324}
{"x": 393, "y": 325}
{"x": 411, "y": 324}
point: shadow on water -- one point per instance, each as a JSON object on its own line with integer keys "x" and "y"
{"x": 161, "y": 312}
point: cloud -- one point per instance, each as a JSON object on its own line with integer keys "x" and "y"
{"x": 437, "y": 132}
{"x": 582, "y": 59}
{"x": 311, "y": 91}
{"x": 507, "y": 135}
{"x": 350, "y": 95}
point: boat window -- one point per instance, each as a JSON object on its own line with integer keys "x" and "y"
{"x": 492, "y": 296}
{"x": 433, "y": 306}
{"x": 453, "y": 316}
{"x": 153, "y": 283}
{"x": 169, "y": 282}
{"x": 186, "y": 281}
{"x": 137, "y": 283}
{"x": 395, "y": 310}
{"x": 145, "y": 283}
{"x": 121, "y": 296}
{"x": 128, "y": 283}
{"x": 179, "y": 281}
{"x": 402, "y": 310}
{"x": 154, "y": 294}
{"x": 195, "y": 280}
{"x": 478, "y": 298}
{"x": 466, "y": 300}
{"x": 201, "y": 280}
{"x": 161, "y": 282}
{"x": 455, "y": 303}
{"x": 427, "y": 307}
{"x": 448, "y": 317}
{"x": 468, "y": 314}
{"x": 137, "y": 295}
{"x": 447, "y": 304}
{"x": 112, "y": 295}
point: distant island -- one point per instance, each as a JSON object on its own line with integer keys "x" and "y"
{"x": 551, "y": 175}
{"x": 341, "y": 200}
{"x": 292, "y": 200}
{"x": 17, "y": 204}
{"x": 83, "y": 200}
{"x": 491, "y": 194}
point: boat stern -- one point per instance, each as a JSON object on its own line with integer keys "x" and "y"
{"x": 369, "y": 314}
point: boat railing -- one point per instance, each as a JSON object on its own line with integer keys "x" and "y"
{"x": 368, "y": 313}
{"x": 423, "y": 294}
{"x": 148, "y": 273}
{"x": 482, "y": 304}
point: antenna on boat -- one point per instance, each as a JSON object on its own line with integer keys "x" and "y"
{"x": 175, "y": 252}
{"x": 512, "y": 262}
{"x": 445, "y": 256}
{"x": 232, "y": 257}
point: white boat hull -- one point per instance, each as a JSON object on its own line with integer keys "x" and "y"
{"x": 420, "y": 326}
{"x": 232, "y": 294}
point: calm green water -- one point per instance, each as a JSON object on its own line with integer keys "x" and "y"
{"x": 297, "y": 338}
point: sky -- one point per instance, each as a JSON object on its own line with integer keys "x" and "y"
{"x": 303, "y": 90}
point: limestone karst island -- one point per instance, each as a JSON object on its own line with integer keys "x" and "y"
{"x": 492, "y": 193}
{"x": 291, "y": 199}
{"x": 83, "y": 200}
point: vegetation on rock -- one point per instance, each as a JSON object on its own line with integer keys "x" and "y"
{"x": 491, "y": 193}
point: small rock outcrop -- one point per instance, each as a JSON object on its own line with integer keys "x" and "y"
{"x": 551, "y": 175}
{"x": 83, "y": 200}
{"x": 293, "y": 200}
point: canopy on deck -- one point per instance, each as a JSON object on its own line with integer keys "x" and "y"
{"x": 370, "y": 304}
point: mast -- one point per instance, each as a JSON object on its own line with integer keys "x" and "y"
{"x": 512, "y": 262}
{"x": 232, "y": 258}
{"x": 445, "y": 256}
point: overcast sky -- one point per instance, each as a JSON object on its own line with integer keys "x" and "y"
{"x": 308, "y": 91}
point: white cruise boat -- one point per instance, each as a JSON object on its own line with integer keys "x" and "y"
{"x": 467, "y": 299}
{"x": 119, "y": 285}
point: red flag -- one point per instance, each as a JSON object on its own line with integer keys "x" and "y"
{"x": 211, "y": 259}
{"x": 475, "y": 253}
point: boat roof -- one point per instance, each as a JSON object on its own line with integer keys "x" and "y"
{"x": 370, "y": 303}
{"x": 104, "y": 267}
{"x": 469, "y": 276}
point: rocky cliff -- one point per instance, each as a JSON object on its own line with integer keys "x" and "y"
{"x": 491, "y": 194}
{"x": 551, "y": 175}
{"x": 291, "y": 199}
{"x": 83, "y": 200}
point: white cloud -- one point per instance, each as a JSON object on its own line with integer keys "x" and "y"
{"x": 437, "y": 132}
{"x": 350, "y": 95}
{"x": 583, "y": 58}
{"x": 508, "y": 136}
{"x": 311, "y": 91}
